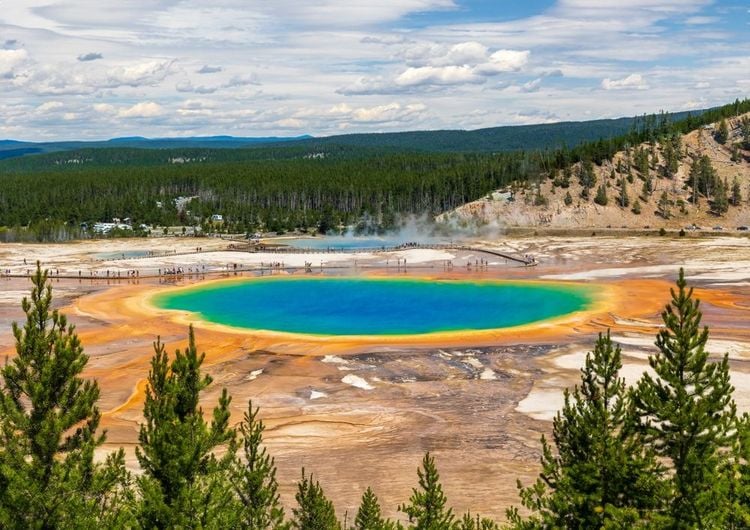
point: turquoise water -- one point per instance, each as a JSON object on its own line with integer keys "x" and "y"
{"x": 359, "y": 306}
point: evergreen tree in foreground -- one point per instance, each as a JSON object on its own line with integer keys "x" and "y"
{"x": 48, "y": 428}
{"x": 427, "y": 505}
{"x": 184, "y": 484}
{"x": 314, "y": 511}
{"x": 254, "y": 478}
{"x": 687, "y": 412}
{"x": 475, "y": 522}
{"x": 601, "y": 473}
{"x": 735, "y": 483}
{"x": 368, "y": 515}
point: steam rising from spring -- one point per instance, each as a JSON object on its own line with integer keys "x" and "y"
{"x": 426, "y": 229}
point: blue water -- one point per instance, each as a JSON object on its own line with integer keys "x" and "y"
{"x": 367, "y": 306}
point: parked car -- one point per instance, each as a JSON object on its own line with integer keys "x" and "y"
{"x": 718, "y": 228}
{"x": 743, "y": 228}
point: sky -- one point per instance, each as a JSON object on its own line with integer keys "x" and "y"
{"x": 97, "y": 69}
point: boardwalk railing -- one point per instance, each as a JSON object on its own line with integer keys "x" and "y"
{"x": 136, "y": 274}
{"x": 525, "y": 260}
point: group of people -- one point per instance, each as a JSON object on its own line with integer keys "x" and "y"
{"x": 278, "y": 265}
{"x": 179, "y": 271}
{"x": 479, "y": 264}
{"x": 131, "y": 273}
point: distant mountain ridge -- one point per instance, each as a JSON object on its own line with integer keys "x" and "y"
{"x": 14, "y": 148}
{"x": 486, "y": 140}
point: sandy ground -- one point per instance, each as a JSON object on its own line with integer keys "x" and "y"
{"x": 359, "y": 413}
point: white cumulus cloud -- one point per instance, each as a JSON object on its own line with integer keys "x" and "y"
{"x": 145, "y": 109}
{"x": 147, "y": 73}
{"x": 504, "y": 61}
{"x": 437, "y": 75}
{"x": 466, "y": 53}
{"x": 10, "y": 60}
{"x": 432, "y": 65}
{"x": 631, "y": 82}
{"x": 104, "y": 108}
{"x": 385, "y": 113}
{"x": 49, "y": 106}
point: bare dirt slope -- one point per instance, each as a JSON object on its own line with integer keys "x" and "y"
{"x": 524, "y": 209}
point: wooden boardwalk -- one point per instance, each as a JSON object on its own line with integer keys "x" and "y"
{"x": 524, "y": 260}
{"x": 114, "y": 275}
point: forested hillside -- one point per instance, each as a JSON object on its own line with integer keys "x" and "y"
{"x": 14, "y": 148}
{"x": 492, "y": 139}
{"x": 694, "y": 181}
{"x": 498, "y": 139}
{"x": 284, "y": 187}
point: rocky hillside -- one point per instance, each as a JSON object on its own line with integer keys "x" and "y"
{"x": 658, "y": 181}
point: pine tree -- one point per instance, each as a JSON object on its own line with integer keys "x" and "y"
{"x": 327, "y": 221}
{"x": 671, "y": 158}
{"x": 642, "y": 163}
{"x": 601, "y": 473}
{"x": 566, "y": 176}
{"x": 475, "y": 522}
{"x": 601, "y": 196}
{"x": 369, "y": 516}
{"x": 183, "y": 483}
{"x": 637, "y": 207}
{"x": 720, "y": 204}
{"x": 48, "y": 428}
{"x": 686, "y": 411}
{"x": 427, "y": 505}
{"x": 745, "y": 129}
{"x": 735, "y": 480}
{"x": 254, "y": 478}
{"x": 568, "y": 199}
{"x": 314, "y": 511}
{"x": 736, "y": 156}
{"x": 623, "y": 199}
{"x": 664, "y": 205}
{"x": 736, "y": 193}
{"x": 586, "y": 176}
{"x": 703, "y": 177}
{"x": 647, "y": 188}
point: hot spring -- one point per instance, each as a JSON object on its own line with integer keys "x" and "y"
{"x": 375, "y": 306}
